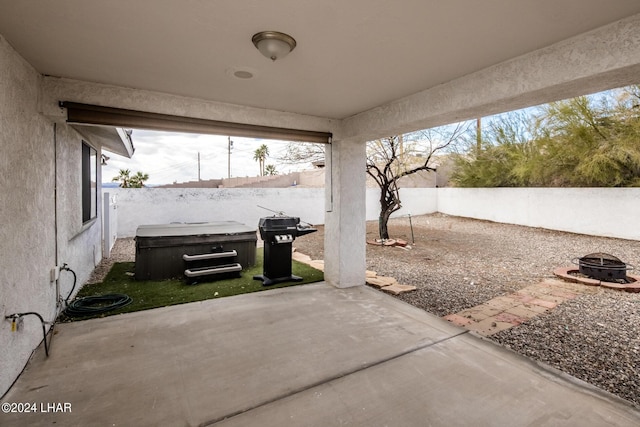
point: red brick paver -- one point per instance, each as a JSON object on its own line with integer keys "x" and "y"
{"x": 511, "y": 310}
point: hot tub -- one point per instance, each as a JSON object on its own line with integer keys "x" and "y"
{"x": 160, "y": 247}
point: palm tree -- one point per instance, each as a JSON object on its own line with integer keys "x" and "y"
{"x": 137, "y": 181}
{"x": 123, "y": 178}
{"x": 270, "y": 170}
{"x": 260, "y": 155}
{"x": 128, "y": 181}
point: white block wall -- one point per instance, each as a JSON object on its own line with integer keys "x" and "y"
{"x": 610, "y": 212}
{"x": 138, "y": 206}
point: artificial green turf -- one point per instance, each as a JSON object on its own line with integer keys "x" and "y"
{"x": 152, "y": 294}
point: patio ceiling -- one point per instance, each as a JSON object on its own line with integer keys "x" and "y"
{"x": 351, "y": 56}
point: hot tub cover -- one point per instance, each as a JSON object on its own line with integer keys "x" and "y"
{"x": 193, "y": 229}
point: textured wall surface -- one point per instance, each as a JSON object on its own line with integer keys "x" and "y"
{"x": 55, "y": 89}
{"x": 609, "y": 212}
{"x": 29, "y": 240}
{"x": 27, "y": 229}
{"x": 606, "y": 212}
{"x": 138, "y": 206}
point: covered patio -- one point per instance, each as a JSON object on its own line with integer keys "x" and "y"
{"x": 311, "y": 355}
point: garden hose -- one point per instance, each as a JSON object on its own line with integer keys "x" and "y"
{"x": 75, "y": 279}
{"x": 89, "y": 306}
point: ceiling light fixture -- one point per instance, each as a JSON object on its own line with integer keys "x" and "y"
{"x": 273, "y": 44}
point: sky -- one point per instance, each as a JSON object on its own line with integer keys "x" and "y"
{"x": 173, "y": 157}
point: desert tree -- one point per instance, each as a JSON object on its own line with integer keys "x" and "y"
{"x": 587, "y": 141}
{"x": 297, "y": 153}
{"x": 506, "y": 156}
{"x": 392, "y": 158}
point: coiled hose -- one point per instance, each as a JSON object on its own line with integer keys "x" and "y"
{"x": 89, "y": 306}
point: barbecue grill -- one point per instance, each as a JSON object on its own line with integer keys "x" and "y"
{"x": 278, "y": 234}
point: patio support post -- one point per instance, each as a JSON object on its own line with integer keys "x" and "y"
{"x": 344, "y": 239}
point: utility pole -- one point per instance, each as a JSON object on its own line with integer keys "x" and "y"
{"x": 229, "y": 147}
{"x": 479, "y": 135}
{"x": 198, "y": 166}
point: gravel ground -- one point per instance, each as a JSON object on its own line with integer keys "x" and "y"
{"x": 458, "y": 263}
{"x": 124, "y": 250}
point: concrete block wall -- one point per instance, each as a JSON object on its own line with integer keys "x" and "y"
{"x": 609, "y": 212}
{"x": 606, "y": 212}
{"x": 137, "y": 206}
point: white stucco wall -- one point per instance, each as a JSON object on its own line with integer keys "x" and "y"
{"x": 79, "y": 245}
{"x": 40, "y": 163}
{"x": 415, "y": 201}
{"x": 138, "y": 206}
{"x": 610, "y": 212}
{"x": 27, "y": 246}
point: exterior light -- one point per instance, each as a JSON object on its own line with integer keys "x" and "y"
{"x": 273, "y": 44}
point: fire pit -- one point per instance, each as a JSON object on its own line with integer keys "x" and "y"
{"x": 603, "y": 266}
{"x": 600, "y": 269}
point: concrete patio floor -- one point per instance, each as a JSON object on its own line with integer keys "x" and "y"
{"x": 303, "y": 356}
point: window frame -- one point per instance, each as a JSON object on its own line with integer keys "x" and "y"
{"x": 89, "y": 183}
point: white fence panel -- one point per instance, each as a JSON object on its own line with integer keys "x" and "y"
{"x": 110, "y": 223}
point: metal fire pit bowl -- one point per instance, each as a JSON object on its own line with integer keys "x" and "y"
{"x": 602, "y": 266}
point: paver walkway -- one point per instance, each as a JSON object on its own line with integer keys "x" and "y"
{"x": 387, "y": 284}
{"x": 511, "y": 310}
{"x": 495, "y": 315}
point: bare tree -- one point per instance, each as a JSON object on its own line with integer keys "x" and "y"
{"x": 297, "y": 153}
{"x": 392, "y": 158}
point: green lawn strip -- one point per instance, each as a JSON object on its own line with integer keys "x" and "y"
{"x": 152, "y": 294}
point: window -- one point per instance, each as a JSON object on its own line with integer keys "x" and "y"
{"x": 89, "y": 183}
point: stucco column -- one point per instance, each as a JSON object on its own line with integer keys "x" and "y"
{"x": 344, "y": 238}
